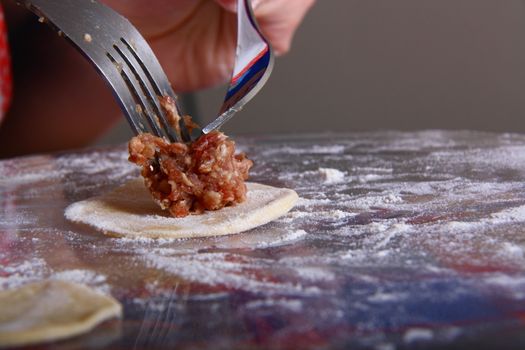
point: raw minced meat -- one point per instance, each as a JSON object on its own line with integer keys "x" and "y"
{"x": 191, "y": 178}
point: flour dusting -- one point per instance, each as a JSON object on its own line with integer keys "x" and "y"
{"x": 18, "y": 274}
{"x": 418, "y": 334}
{"x": 86, "y": 277}
{"x": 331, "y": 176}
{"x": 391, "y": 228}
{"x": 36, "y": 269}
{"x": 287, "y": 238}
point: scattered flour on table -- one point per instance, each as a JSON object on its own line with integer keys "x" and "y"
{"x": 141, "y": 241}
{"x": 287, "y": 238}
{"x": 326, "y": 176}
{"x": 307, "y": 202}
{"x": 315, "y": 273}
{"x": 15, "y": 275}
{"x": 28, "y": 178}
{"x": 331, "y": 176}
{"x": 508, "y": 215}
{"x": 334, "y": 149}
{"x": 315, "y": 149}
{"x": 501, "y": 279}
{"x": 36, "y": 269}
{"x": 96, "y": 162}
{"x": 292, "y": 305}
{"x": 384, "y": 233}
{"x": 41, "y": 168}
{"x": 223, "y": 269}
{"x": 382, "y": 297}
{"x": 355, "y": 249}
{"x": 87, "y": 277}
{"x": 418, "y": 334}
{"x": 371, "y": 177}
{"x": 373, "y": 200}
{"x": 32, "y": 170}
{"x": 151, "y": 304}
{"x": 513, "y": 286}
{"x": 512, "y": 251}
{"x": 377, "y": 242}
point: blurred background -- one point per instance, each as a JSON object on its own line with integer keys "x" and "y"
{"x": 382, "y": 64}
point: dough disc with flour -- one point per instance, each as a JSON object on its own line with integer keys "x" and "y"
{"x": 130, "y": 211}
{"x": 51, "y": 310}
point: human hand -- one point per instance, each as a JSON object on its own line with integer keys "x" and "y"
{"x": 69, "y": 104}
{"x": 195, "y": 40}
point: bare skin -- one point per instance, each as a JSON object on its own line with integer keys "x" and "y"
{"x": 61, "y": 103}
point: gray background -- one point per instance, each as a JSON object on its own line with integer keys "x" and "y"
{"x": 391, "y": 64}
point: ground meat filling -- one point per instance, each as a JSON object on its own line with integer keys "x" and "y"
{"x": 186, "y": 179}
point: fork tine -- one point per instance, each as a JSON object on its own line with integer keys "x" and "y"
{"x": 146, "y": 106}
{"x": 154, "y": 75}
{"x": 125, "y": 100}
{"x": 150, "y": 88}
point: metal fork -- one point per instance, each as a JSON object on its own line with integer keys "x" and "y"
{"x": 253, "y": 66}
{"x": 127, "y": 63}
{"x": 121, "y": 55}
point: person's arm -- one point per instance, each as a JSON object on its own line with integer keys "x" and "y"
{"x": 60, "y": 101}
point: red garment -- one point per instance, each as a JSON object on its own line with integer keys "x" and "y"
{"x": 5, "y": 68}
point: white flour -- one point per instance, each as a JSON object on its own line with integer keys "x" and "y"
{"x": 287, "y": 238}
{"x": 418, "y": 334}
{"x": 315, "y": 149}
{"x": 292, "y": 305}
{"x": 34, "y": 270}
{"x": 223, "y": 269}
{"x": 331, "y": 176}
{"x": 87, "y": 277}
{"x": 15, "y": 275}
{"x": 386, "y": 224}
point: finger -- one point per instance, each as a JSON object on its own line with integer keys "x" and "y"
{"x": 154, "y": 17}
{"x": 279, "y": 19}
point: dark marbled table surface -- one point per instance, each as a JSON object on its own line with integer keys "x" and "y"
{"x": 399, "y": 241}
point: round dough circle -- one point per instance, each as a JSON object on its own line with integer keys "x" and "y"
{"x": 51, "y": 310}
{"x": 129, "y": 211}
